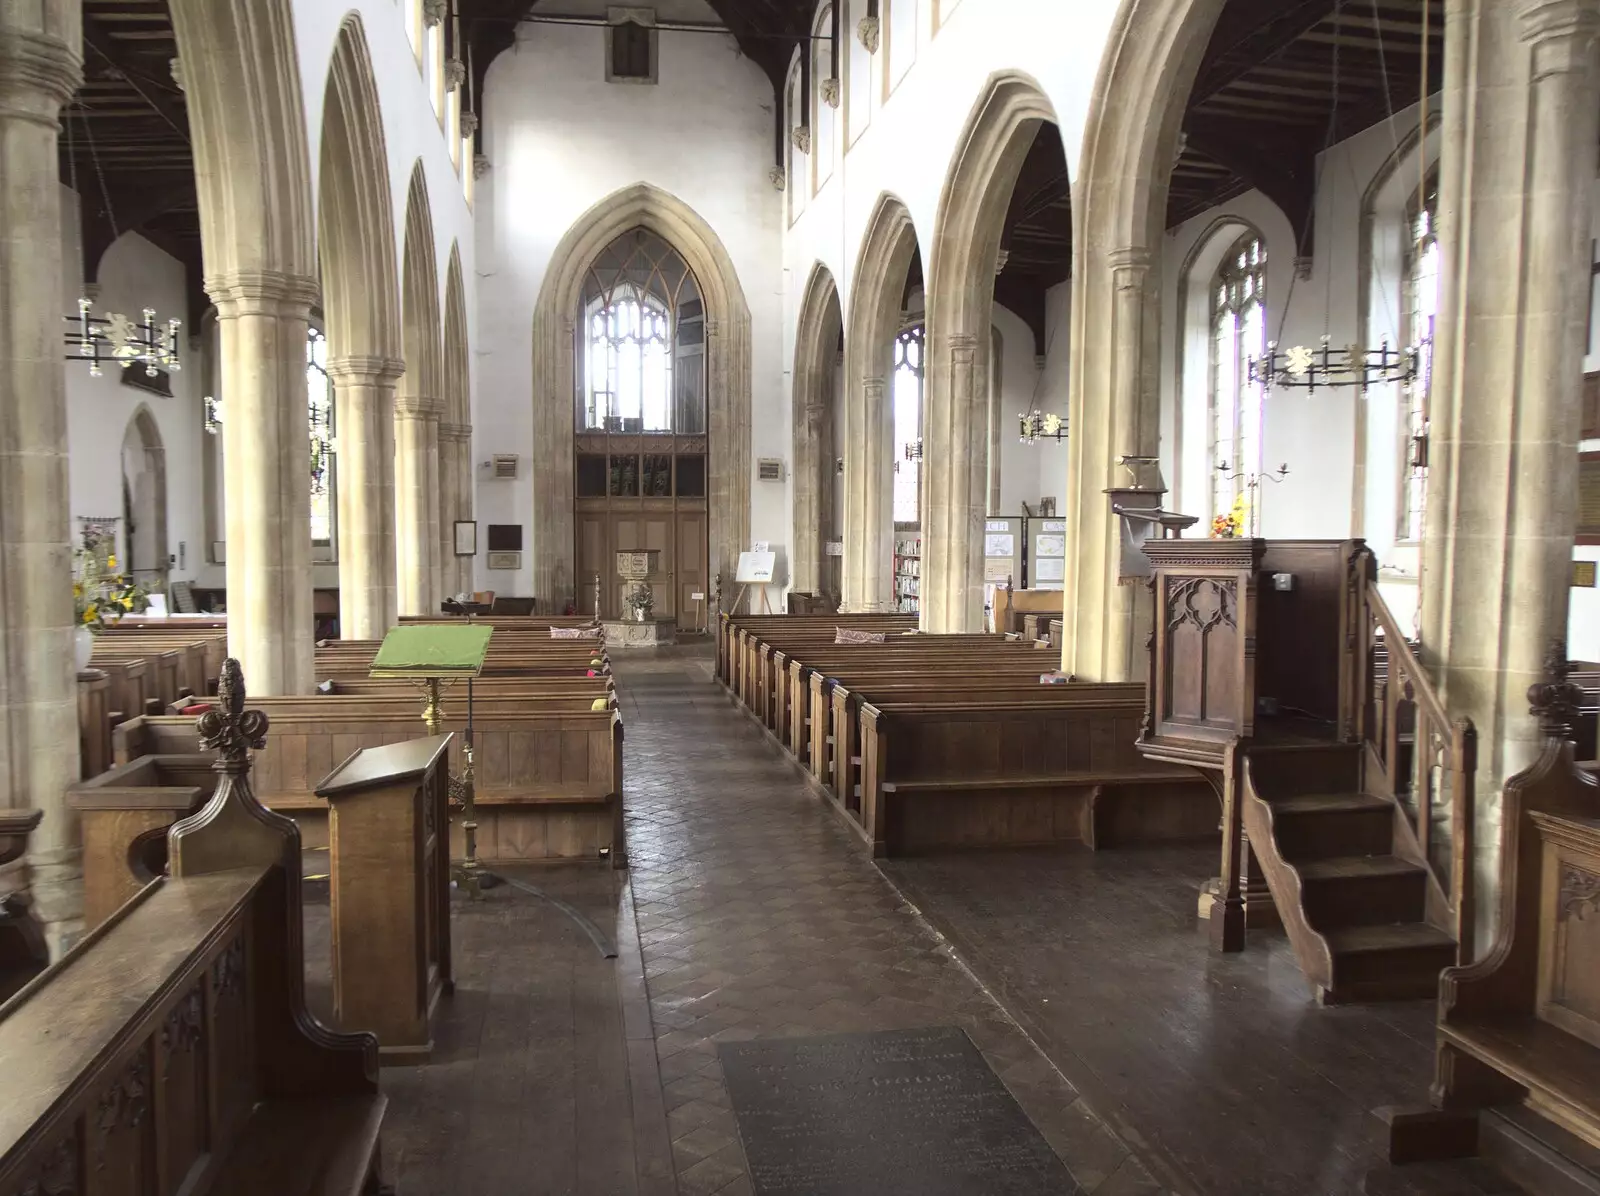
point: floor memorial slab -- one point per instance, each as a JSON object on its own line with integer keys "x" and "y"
{"x": 894, "y": 1113}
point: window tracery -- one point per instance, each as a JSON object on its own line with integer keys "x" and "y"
{"x": 1238, "y": 333}
{"x": 908, "y": 382}
{"x": 1420, "y": 313}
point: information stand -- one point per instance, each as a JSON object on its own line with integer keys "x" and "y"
{"x": 755, "y": 569}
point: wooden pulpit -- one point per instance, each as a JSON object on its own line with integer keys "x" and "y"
{"x": 389, "y": 881}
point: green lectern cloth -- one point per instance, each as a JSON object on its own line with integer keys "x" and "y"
{"x": 432, "y": 650}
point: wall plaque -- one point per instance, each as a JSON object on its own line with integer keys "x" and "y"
{"x": 1583, "y": 575}
{"x": 1589, "y": 498}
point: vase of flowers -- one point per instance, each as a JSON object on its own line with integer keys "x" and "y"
{"x": 1231, "y": 525}
{"x": 100, "y": 595}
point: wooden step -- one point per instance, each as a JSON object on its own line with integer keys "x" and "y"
{"x": 1390, "y": 962}
{"x": 1361, "y": 890}
{"x": 1323, "y": 825}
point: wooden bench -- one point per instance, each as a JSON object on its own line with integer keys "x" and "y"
{"x": 1519, "y": 1030}
{"x": 172, "y": 1050}
{"x": 548, "y": 771}
{"x": 125, "y": 812}
{"x": 1061, "y": 767}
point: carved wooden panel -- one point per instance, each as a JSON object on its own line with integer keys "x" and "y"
{"x": 1569, "y": 946}
{"x": 1201, "y": 617}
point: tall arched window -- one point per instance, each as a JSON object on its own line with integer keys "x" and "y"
{"x": 908, "y": 386}
{"x": 319, "y": 405}
{"x": 1238, "y": 333}
{"x": 1421, "y": 310}
{"x": 643, "y": 365}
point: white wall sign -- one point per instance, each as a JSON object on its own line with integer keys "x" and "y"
{"x": 833, "y": 548}
{"x": 755, "y": 568}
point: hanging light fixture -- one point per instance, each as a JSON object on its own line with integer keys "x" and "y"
{"x": 914, "y": 449}
{"x": 1304, "y": 368}
{"x": 1308, "y": 368}
{"x": 1039, "y": 425}
{"x": 114, "y": 338}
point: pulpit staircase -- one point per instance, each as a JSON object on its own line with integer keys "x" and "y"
{"x": 1364, "y": 845}
{"x": 1277, "y": 668}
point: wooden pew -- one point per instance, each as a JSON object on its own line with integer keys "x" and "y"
{"x": 94, "y": 723}
{"x": 1058, "y": 766}
{"x": 1518, "y": 1047}
{"x": 203, "y": 649}
{"x": 125, "y": 813}
{"x": 731, "y": 627}
{"x": 548, "y": 771}
{"x": 172, "y": 1050}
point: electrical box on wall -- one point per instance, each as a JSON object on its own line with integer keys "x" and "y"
{"x": 504, "y": 465}
{"x": 770, "y": 469}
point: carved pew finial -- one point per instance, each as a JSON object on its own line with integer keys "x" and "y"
{"x": 1555, "y": 700}
{"x": 228, "y": 728}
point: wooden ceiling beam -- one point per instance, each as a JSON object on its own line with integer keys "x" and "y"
{"x": 1282, "y": 169}
{"x": 111, "y": 51}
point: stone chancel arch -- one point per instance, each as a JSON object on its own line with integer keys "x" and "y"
{"x": 728, "y": 381}
{"x": 418, "y": 407}
{"x": 816, "y": 362}
{"x": 361, "y": 309}
{"x": 966, "y": 247}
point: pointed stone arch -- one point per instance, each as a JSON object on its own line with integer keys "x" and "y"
{"x": 361, "y": 315}
{"x": 728, "y": 380}
{"x": 877, "y": 293}
{"x": 815, "y": 399}
{"x": 145, "y": 500}
{"x": 966, "y": 246}
{"x": 455, "y": 430}
{"x": 418, "y": 407}
{"x": 1130, "y": 142}
{"x": 247, "y": 124}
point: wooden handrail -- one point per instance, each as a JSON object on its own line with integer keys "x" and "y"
{"x": 1455, "y": 742}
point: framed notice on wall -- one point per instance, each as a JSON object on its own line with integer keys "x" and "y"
{"x": 1589, "y": 498}
{"x": 466, "y": 537}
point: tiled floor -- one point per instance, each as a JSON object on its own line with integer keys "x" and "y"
{"x": 760, "y": 916}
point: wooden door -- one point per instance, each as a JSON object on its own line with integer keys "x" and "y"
{"x": 692, "y": 577}
{"x": 593, "y": 531}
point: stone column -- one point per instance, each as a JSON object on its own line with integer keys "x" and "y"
{"x": 416, "y": 469}
{"x": 1521, "y": 108}
{"x": 40, "y": 68}
{"x": 809, "y": 478}
{"x": 364, "y": 392}
{"x": 955, "y": 489}
{"x": 876, "y": 591}
{"x": 262, "y": 319}
{"x": 1114, "y": 412}
{"x": 455, "y": 490}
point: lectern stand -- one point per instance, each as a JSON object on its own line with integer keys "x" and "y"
{"x": 390, "y": 892}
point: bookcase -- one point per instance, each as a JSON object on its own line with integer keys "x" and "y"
{"x": 908, "y": 570}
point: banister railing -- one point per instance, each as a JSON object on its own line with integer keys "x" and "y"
{"x": 1424, "y": 759}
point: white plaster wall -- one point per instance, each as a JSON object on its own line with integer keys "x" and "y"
{"x": 1019, "y": 381}
{"x": 561, "y": 139}
{"x": 901, "y": 136}
{"x": 411, "y": 130}
{"x": 134, "y": 274}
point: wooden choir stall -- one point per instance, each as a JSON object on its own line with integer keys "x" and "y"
{"x": 171, "y": 1051}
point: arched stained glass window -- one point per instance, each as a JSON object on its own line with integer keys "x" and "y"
{"x": 642, "y": 351}
{"x": 1238, "y": 333}
{"x": 909, "y": 377}
{"x": 1421, "y": 310}
{"x": 319, "y": 404}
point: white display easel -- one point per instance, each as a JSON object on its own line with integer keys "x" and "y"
{"x": 755, "y": 569}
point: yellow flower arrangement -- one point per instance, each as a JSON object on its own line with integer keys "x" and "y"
{"x": 1231, "y": 525}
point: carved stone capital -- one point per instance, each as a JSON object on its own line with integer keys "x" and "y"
{"x": 250, "y": 292}
{"x": 1130, "y": 266}
{"x": 433, "y": 11}
{"x": 469, "y": 125}
{"x": 455, "y": 433}
{"x": 801, "y": 136}
{"x": 175, "y": 65}
{"x": 361, "y": 370}
{"x": 38, "y": 74}
{"x": 869, "y": 31}
{"x": 480, "y": 165}
{"x": 1303, "y": 264}
{"x": 1560, "y": 32}
{"x": 779, "y": 177}
{"x": 418, "y": 407}
{"x": 455, "y": 73}
{"x": 1000, "y": 261}
{"x": 963, "y": 348}
{"x": 830, "y": 92}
